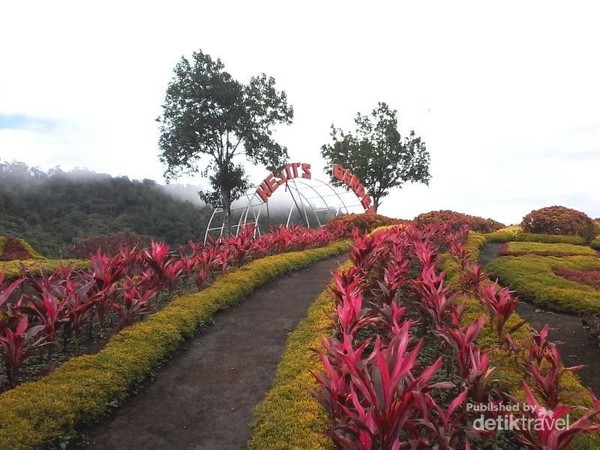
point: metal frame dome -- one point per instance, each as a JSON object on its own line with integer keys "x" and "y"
{"x": 313, "y": 202}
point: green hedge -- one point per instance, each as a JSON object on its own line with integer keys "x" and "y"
{"x": 86, "y": 387}
{"x": 546, "y": 249}
{"x": 533, "y": 279}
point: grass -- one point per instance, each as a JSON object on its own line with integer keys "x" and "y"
{"x": 547, "y": 249}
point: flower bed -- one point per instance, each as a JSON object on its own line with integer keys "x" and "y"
{"x": 407, "y": 355}
{"x": 87, "y": 387}
{"x": 534, "y": 279}
{"x": 52, "y": 315}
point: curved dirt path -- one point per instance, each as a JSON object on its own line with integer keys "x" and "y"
{"x": 574, "y": 344}
{"x": 204, "y": 398}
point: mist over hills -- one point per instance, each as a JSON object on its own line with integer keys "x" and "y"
{"x": 54, "y": 209}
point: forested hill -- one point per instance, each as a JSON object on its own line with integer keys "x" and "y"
{"x": 55, "y": 209}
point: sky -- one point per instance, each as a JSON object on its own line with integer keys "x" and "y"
{"x": 506, "y": 95}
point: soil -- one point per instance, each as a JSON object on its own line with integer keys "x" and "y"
{"x": 574, "y": 344}
{"x": 204, "y": 398}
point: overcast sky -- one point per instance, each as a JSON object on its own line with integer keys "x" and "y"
{"x": 505, "y": 94}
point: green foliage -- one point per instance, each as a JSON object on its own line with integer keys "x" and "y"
{"x": 534, "y": 280}
{"x": 544, "y": 249}
{"x": 477, "y": 224}
{"x": 377, "y": 154}
{"x": 56, "y": 209}
{"x": 560, "y": 220}
{"x": 209, "y": 119}
{"x": 87, "y": 387}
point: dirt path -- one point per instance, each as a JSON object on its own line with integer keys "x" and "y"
{"x": 574, "y": 344}
{"x": 204, "y": 398}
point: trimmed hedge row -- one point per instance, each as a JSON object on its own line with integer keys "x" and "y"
{"x": 533, "y": 278}
{"x": 87, "y": 387}
{"x": 35, "y": 266}
{"x": 544, "y": 249}
{"x": 515, "y": 233}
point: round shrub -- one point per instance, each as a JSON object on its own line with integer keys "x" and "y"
{"x": 559, "y": 220}
{"x": 458, "y": 220}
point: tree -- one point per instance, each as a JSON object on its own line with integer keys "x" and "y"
{"x": 210, "y": 120}
{"x": 377, "y": 154}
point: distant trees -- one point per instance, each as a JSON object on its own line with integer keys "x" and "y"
{"x": 210, "y": 119}
{"x": 377, "y": 154}
{"x": 54, "y": 211}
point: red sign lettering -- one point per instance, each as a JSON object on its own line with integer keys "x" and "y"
{"x": 355, "y": 185}
{"x": 274, "y": 180}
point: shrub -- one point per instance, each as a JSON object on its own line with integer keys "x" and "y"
{"x": 363, "y": 223}
{"x": 12, "y": 248}
{"x": 478, "y": 224}
{"x": 559, "y": 220}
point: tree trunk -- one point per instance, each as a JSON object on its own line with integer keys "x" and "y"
{"x": 225, "y": 196}
{"x": 375, "y": 204}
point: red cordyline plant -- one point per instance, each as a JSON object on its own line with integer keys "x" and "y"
{"x": 446, "y": 426}
{"x": 550, "y": 428}
{"x": 499, "y": 302}
{"x": 544, "y": 365}
{"x": 435, "y": 298}
{"x": 472, "y": 277}
{"x": 18, "y": 343}
{"x": 79, "y": 297}
{"x": 373, "y": 400}
{"x": 473, "y": 365}
{"x": 106, "y": 272}
{"x": 350, "y": 314}
{"x": 136, "y": 300}
{"x": 167, "y": 270}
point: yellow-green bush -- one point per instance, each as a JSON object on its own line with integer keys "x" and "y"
{"x": 533, "y": 279}
{"x": 545, "y": 249}
{"x": 35, "y": 266}
{"x": 86, "y": 387}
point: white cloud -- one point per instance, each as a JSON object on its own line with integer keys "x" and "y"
{"x": 505, "y": 95}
